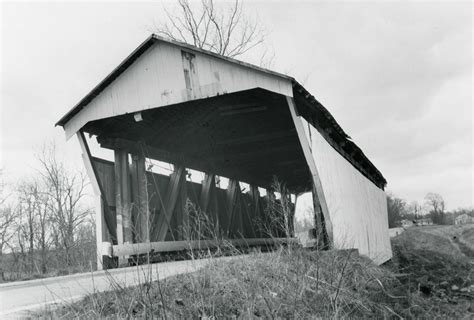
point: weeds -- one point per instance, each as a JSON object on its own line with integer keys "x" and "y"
{"x": 261, "y": 285}
{"x": 290, "y": 282}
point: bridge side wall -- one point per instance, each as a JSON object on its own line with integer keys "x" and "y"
{"x": 357, "y": 207}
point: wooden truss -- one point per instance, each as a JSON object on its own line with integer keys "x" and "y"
{"x": 141, "y": 211}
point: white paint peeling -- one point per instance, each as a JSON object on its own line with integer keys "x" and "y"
{"x": 357, "y": 207}
{"x": 156, "y": 79}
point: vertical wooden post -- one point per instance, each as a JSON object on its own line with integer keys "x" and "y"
{"x": 208, "y": 201}
{"x": 248, "y": 215}
{"x": 123, "y": 197}
{"x": 181, "y": 215}
{"x": 118, "y": 157}
{"x": 168, "y": 202}
{"x": 293, "y": 214}
{"x": 140, "y": 212}
{"x": 126, "y": 201}
{"x": 101, "y": 228}
{"x": 135, "y": 201}
{"x": 271, "y": 200}
{"x": 233, "y": 208}
{"x": 321, "y": 230}
{"x": 257, "y": 211}
{"x": 144, "y": 213}
{"x": 321, "y": 206}
{"x": 208, "y": 186}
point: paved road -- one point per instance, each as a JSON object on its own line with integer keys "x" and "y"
{"x": 17, "y": 298}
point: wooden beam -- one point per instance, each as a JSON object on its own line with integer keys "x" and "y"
{"x": 271, "y": 200}
{"x": 208, "y": 186}
{"x": 168, "y": 203}
{"x": 271, "y": 136}
{"x": 109, "y": 233}
{"x": 321, "y": 233}
{"x": 135, "y": 202}
{"x": 233, "y": 207}
{"x": 256, "y": 207}
{"x": 170, "y": 246}
{"x": 196, "y": 163}
{"x": 102, "y": 233}
{"x": 135, "y": 148}
{"x": 141, "y": 212}
{"x": 305, "y": 145}
{"x": 247, "y": 215}
{"x": 341, "y": 145}
{"x": 123, "y": 197}
{"x": 180, "y": 207}
{"x": 126, "y": 201}
{"x": 118, "y": 195}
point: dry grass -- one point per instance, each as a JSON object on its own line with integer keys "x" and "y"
{"x": 467, "y": 236}
{"x": 429, "y": 239}
{"x": 428, "y": 261}
{"x": 294, "y": 283}
{"x": 281, "y": 284}
{"x": 459, "y": 234}
{"x": 429, "y": 277}
{"x": 456, "y": 241}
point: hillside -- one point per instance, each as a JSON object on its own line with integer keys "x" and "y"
{"x": 450, "y": 240}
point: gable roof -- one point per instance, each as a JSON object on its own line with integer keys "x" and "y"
{"x": 339, "y": 139}
{"x": 134, "y": 56}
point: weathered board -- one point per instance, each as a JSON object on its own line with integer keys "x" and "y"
{"x": 229, "y": 213}
{"x": 356, "y": 206}
{"x": 168, "y": 74}
{"x": 106, "y": 178}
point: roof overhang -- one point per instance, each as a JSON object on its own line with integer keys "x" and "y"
{"x": 144, "y": 46}
{"x": 308, "y": 107}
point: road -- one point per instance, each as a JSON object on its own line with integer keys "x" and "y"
{"x": 18, "y": 298}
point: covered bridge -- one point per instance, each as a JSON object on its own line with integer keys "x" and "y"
{"x": 197, "y": 110}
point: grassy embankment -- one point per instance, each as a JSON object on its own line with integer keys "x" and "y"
{"x": 429, "y": 277}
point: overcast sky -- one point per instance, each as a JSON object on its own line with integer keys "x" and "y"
{"x": 396, "y": 76}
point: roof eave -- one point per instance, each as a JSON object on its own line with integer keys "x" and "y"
{"x": 135, "y": 55}
{"x": 107, "y": 80}
{"x": 346, "y": 138}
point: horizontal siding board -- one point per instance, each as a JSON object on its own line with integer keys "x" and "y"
{"x": 357, "y": 207}
{"x": 156, "y": 79}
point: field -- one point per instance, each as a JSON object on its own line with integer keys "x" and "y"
{"x": 450, "y": 240}
{"x": 440, "y": 261}
{"x": 429, "y": 277}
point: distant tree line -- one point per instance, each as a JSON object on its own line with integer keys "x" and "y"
{"x": 45, "y": 226}
{"x": 434, "y": 208}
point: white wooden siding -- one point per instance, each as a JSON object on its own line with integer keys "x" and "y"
{"x": 357, "y": 208}
{"x": 156, "y": 79}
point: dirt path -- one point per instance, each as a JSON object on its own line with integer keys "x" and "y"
{"x": 457, "y": 236}
{"x": 17, "y": 298}
{"x": 464, "y": 248}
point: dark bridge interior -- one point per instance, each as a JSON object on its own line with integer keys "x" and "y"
{"x": 247, "y": 136}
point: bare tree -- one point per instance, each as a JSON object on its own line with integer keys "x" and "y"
{"x": 436, "y": 204}
{"x": 65, "y": 191}
{"x": 7, "y": 220}
{"x": 7, "y": 223}
{"x": 27, "y": 197}
{"x": 228, "y": 32}
{"x": 415, "y": 209}
{"x": 7, "y": 230}
{"x": 396, "y": 209}
{"x": 42, "y": 235}
{"x": 34, "y": 205}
